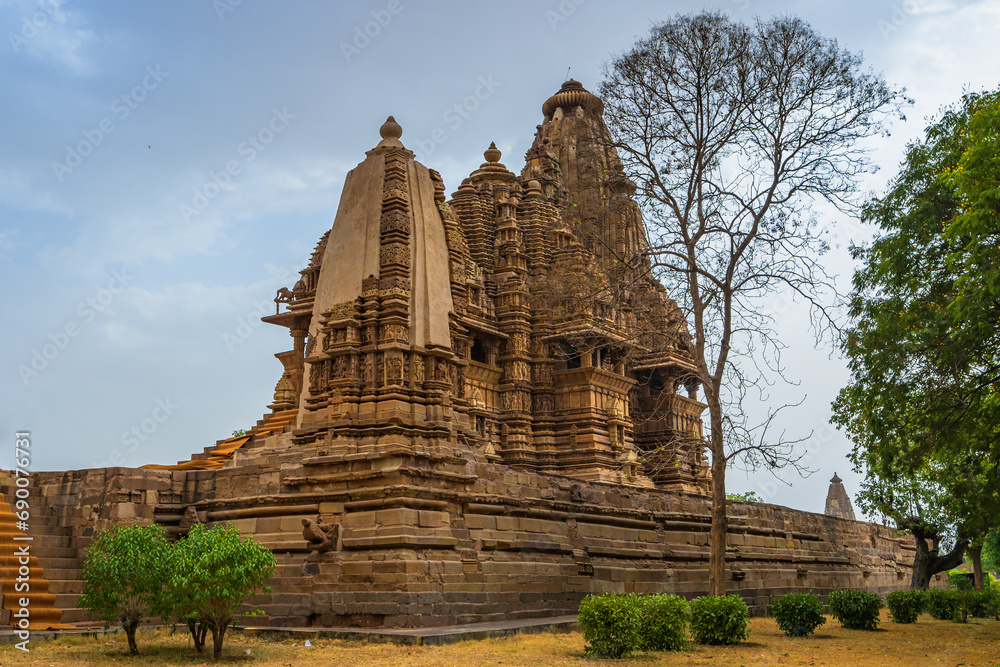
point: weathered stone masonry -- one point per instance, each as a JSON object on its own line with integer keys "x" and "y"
{"x": 430, "y": 542}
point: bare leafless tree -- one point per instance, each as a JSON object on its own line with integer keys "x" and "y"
{"x": 731, "y": 132}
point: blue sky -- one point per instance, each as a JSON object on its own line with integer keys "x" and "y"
{"x": 165, "y": 167}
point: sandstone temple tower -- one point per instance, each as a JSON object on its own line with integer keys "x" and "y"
{"x": 838, "y": 503}
{"x": 488, "y": 411}
{"x": 517, "y": 322}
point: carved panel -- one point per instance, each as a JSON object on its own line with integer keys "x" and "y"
{"x": 395, "y": 221}
{"x": 394, "y": 253}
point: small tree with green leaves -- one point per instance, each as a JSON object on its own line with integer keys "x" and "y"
{"x": 214, "y": 572}
{"x": 123, "y": 572}
{"x": 183, "y": 601}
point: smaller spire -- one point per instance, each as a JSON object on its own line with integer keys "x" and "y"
{"x": 838, "y": 503}
{"x": 534, "y": 190}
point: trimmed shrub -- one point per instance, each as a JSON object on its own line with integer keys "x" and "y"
{"x": 856, "y": 609}
{"x": 663, "y": 623}
{"x": 610, "y": 624}
{"x": 985, "y": 603}
{"x": 719, "y": 619}
{"x": 798, "y": 614}
{"x": 942, "y": 603}
{"x": 905, "y": 606}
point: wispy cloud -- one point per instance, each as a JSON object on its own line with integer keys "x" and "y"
{"x": 18, "y": 191}
{"x": 48, "y": 31}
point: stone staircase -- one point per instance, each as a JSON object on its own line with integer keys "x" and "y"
{"x": 55, "y": 568}
{"x": 216, "y": 456}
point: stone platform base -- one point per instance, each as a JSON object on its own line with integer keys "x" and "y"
{"x": 427, "y": 636}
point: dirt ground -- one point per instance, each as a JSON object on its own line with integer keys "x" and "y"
{"x": 928, "y": 642}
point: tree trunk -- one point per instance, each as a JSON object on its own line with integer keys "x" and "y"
{"x": 976, "y": 555}
{"x": 130, "y": 627}
{"x": 198, "y": 631}
{"x": 927, "y": 562}
{"x": 217, "y": 635}
{"x": 717, "y": 536}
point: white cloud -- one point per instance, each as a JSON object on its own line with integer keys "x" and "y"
{"x": 46, "y": 30}
{"x": 18, "y": 192}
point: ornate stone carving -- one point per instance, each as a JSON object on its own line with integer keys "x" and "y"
{"x": 189, "y": 519}
{"x": 394, "y": 253}
{"x": 395, "y": 221}
{"x": 394, "y": 369}
{"x": 321, "y": 537}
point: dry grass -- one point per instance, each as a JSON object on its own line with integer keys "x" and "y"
{"x": 927, "y": 642}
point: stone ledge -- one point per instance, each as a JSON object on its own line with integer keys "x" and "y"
{"x": 434, "y": 636}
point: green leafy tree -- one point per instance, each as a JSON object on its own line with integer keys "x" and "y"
{"x": 919, "y": 502}
{"x": 923, "y": 351}
{"x": 124, "y": 572}
{"x": 184, "y": 602}
{"x": 213, "y": 573}
{"x": 991, "y": 552}
{"x": 748, "y": 497}
{"x": 730, "y": 132}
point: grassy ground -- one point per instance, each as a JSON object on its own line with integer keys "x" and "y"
{"x": 928, "y": 642}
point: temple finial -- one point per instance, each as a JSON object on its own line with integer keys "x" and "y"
{"x": 492, "y": 153}
{"x": 390, "y": 129}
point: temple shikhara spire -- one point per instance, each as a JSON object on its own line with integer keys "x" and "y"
{"x": 488, "y": 409}
{"x": 517, "y": 322}
{"x": 838, "y": 503}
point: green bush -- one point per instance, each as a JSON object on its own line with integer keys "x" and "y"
{"x": 961, "y": 580}
{"x": 719, "y": 619}
{"x": 942, "y": 604}
{"x": 798, "y": 614}
{"x": 985, "y": 603}
{"x": 905, "y": 606}
{"x": 856, "y": 609}
{"x": 610, "y": 624}
{"x": 214, "y": 571}
{"x": 123, "y": 572}
{"x": 663, "y": 623}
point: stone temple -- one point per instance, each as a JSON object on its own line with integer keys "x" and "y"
{"x": 487, "y": 412}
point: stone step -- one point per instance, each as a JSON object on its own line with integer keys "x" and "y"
{"x": 60, "y": 541}
{"x": 46, "y": 551}
{"x": 67, "y": 600}
{"x": 75, "y": 615}
{"x": 60, "y": 586}
{"x": 62, "y": 574}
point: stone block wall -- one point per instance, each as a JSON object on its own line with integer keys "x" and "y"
{"x": 425, "y": 541}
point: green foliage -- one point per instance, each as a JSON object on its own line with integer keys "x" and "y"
{"x": 991, "y": 551}
{"x": 749, "y": 497}
{"x": 923, "y": 351}
{"x": 905, "y": 605}
{"x": 798, "y": 614}
{"x": 214, "y": 572}
{"x": 856, "y": 609}
{"x": 239, "y": 432}
{"x": 985, "y": 603}
{"x": 961, "y": 580}
{"x": 663, "y": 622}
{"x": 943, "y": 603}
{"x": 719, "y": 619}
{"x": 610, "y": 624}
{"x": 123, "y": 572}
